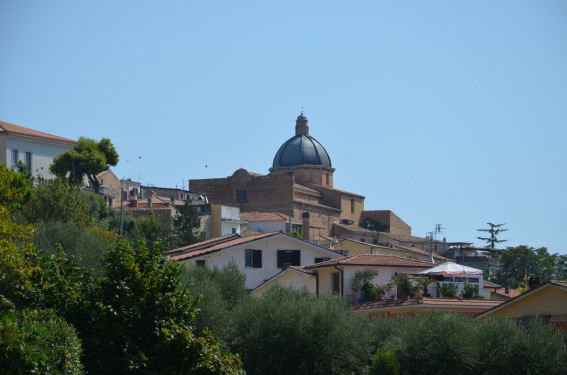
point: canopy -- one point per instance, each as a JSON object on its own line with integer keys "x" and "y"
{"x": 452, "y": 269}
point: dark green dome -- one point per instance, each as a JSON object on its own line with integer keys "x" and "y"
{"x": 302, "y": 149}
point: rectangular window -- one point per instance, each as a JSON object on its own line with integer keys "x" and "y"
{"x": 352, "y": 205}
{"x": 14, "y": 158}
{"x": 242, "y": 195}
{"x": 289, "y": 257}
{"x": 28, "y": 162}
{"x": 327, "y": 179}
{"x": 363, "y": 240}
{"x": 233, "y": 230}
{"x": 253, "y": 258}
{"x": 336, "y": 282}
{"x": 200, "y": 263}
{"x": 319, "y": 260}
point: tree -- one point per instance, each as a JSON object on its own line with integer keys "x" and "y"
{"x": 87, "y": 158}
{"x": 187, "y": 226}
{"x": 517, "y": 262}
{"x": 150, "y": 227}
{"x": 286, "y": 331}
{"x": 58, "y": 200}
{"x": 143, "y": 320}
{"x": 494, "y": 231}
{"x": 38, "y": 342}
{"x": 15, "y": 189}
{"x": 361, "y": 282}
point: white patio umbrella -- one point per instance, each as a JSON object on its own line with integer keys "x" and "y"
{"x": 452, "y": 270}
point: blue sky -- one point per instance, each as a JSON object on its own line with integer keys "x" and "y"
{"x": 441, "y": 111}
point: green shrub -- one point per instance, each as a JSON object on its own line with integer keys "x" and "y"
{"x": 38, "y": 342}
{"x": 385, "y": 362}
{"x": 449, "y": 290}
{"x": 286, "y": 331}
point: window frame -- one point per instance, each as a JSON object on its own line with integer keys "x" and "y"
{"x": 15, "y": 157}
{"x": 336, "y": 283}
{"x": 28, "y": 161}
{"x": 241, "y": 195}
{"x": 252, "y": 258}
{"x": 289, "y": 256}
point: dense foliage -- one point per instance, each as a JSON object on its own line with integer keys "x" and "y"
{"x": 67, "y": 285}
{"x": 187, "y": 226}
{"x": 87, "y": 158}
{"x": 38, "y": 342}
{"x": 131, "y": 312}
{"x": 517, "y": 262}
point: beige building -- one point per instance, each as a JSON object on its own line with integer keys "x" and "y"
{"x": 301, "y": 185}
{"x": 548, "y": 302}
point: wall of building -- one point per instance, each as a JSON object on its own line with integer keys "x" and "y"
{"x": 396, "y": 225}
{"x": 269, "y": 247}
{"x": 42, "y": 153}
{"x": 264, "y": 193}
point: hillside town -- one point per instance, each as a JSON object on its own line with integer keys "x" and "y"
{"x": 292, "y": 228}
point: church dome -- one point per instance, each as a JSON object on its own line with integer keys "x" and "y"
{"x": 301, "y": 149}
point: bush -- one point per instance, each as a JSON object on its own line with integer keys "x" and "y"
{"x": 216, "y": 292}
{"x": 449, "y": 290}
{"x": 385, "y": 362}
{"x": 287, "y": 332}
{"x": 38, "y": 342}
{"x": 86, "y": 247}
{"x": 535, "y": 349}
{"x": 434, "y": 343}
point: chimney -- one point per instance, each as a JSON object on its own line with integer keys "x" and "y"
{"x": 534, "y": 282}
{"x": 305, "y": 219}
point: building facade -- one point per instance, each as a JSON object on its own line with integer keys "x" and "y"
{"x": 33, "y": 148}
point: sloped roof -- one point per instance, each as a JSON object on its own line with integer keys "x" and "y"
{"x": 410, "y": 238}
{"x": 426, "y": 301}
{"x": 265, "y": 216}
{"x": 561, "y": 284}
{"x": 225, "y": 242}
{"x": 373, "y": 260}
{"x": 11, "y": 129}
{"x": 355, "y": 228}
{"x": 488, "y": 284}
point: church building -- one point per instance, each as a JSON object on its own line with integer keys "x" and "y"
{"x": 300, "y": 184}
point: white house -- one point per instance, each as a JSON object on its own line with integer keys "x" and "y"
{"x": 260, "y": 257}
{"x": 263, "y": 222}
{"x": 335, "y": 276}
{"x": 34, "y": 148}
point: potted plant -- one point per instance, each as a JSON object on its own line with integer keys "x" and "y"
{"x": 422, "y": 284}
{"x": 449, "y": 290}
{"x": 468, "y": 291}
{"x": 404, "y": 283}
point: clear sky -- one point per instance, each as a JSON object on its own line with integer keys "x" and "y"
{"x": 445, "y": 112}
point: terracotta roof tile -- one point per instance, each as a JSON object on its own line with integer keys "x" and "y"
{"x": 11, "y": 129}
{"x": 562, "y": 283}
{"x": 488, "y": 284}
{"x": 355, "y": 228}
{"x": 211, "y": 246}
{"x": 265, "y": 216}
{"x": 454, "y": 302}
{"x": 374, "y": 260}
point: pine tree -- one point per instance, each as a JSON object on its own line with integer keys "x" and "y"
{"x": 494, "y": 232}
{"x": 187, "y": 225}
